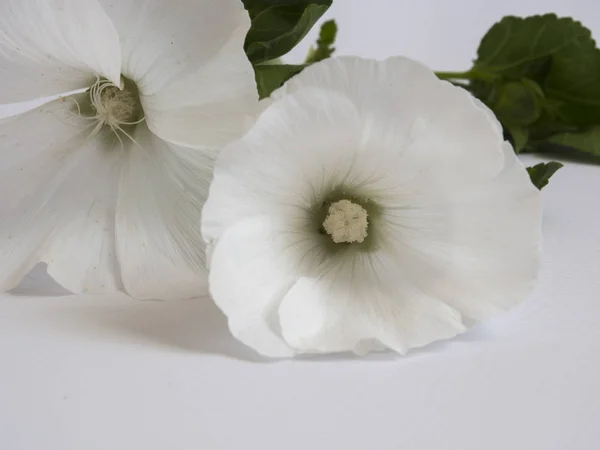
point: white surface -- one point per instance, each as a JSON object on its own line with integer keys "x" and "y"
{"x": 109, "y": 373}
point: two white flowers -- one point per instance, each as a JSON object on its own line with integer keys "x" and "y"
{"x": 365, "y": 205}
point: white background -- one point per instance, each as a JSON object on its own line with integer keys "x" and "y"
{"x": 109, "y": 373}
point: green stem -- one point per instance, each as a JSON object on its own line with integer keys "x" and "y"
{"x": 469, "y": 75}
{"x": 461, "y": 84}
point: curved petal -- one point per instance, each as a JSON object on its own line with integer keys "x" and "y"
{"x": 50, "y": 47}
{"x": 59, "y": 202}
{"x": 299, "y": 149}
{"x": 403, "y": 83}
{"x": 327, "y": 314}
{"x": 476, "y": 249}
{"x": 215, "y": 92}
{"x": 458, "y": 208}
{"x": 81, "y": 253}
{"x": 248, "y": 287}
{"x": 457, "y": 205}
{"x": 162, "y": 190}
{"x": 454, "y": 225}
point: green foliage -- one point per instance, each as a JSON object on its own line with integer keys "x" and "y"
{"x": 519, "y": 135}
{"x": 269, "y": 77}
{"x": 278, "y": 25}
{"x": 324, "y": 48}
{"x": 587, "y": 141}
{"x": 541, "y": 173}
{"x": 558, "y": 54}
{"x": 519, "y": 48}
{"x": 517, "y": 103}
{"x": 541, "y": 77}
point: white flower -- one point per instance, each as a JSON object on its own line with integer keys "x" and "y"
{"x": 370, "y": 206}
{"x": 107, "y": 186}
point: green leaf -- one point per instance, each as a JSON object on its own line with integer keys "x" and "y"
{"x": 558, "y": 54}
{"x": 270, "y": 77}
{"x": 587, "y": 141}
{"x": 324, "y": 48}
{"x": 574, "y": 83}
{"x": 518, "y": 103}
{"x": 278, "y": 26}
{"x": 519, "y": 135}
{"x": 522, "y": 47}
{"x": 541, "y": 173}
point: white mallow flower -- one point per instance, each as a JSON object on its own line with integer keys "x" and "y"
{"x": 107, "y": 186}
{"x": 370, "y": 206}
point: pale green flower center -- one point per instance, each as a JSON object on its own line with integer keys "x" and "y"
{"x": 116, "y": 106}
{"x": 346, "y": 222}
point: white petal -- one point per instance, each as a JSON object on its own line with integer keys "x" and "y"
{"x": 476, "y": 249}
{"x": 251, "y": 271}
{"x": 456, "y": 228}
{"x": 460, "y": 208}
{"x": 297, "y": 151}
{"x": 187, "y": 58}
{"x": 49, "y": 47}
{"x": 81, "y": 253}
{"x": 58, "y": 184}
{"x": 402, "y": 93}
{"x": 329, "y": 314}
{"x": 398, "y": 80}
{"x": 162, "y": 190}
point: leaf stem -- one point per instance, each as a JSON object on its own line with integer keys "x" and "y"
{"x": 468, "y": 75}
{"x": 461, "y": 84}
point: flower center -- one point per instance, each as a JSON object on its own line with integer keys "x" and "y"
{"x": 346, "y": 222}
{"x": 115, "y": 106}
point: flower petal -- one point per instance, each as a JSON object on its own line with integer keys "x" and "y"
{"x": 297, "y": 150}
{"x": 215, "y": 92}
{"x": 262, "y": 273}
{"x": 454, "y": 221}
{"x": 59, "y": 202}
{"x": 476, "y": 249}
{"x": 459, "y": 206}
{"x": 397, "y": 81}
{"x": 326, "y": 314}
{"x": 81, "y": 253}
{"x": 162, "y": 190}
{"x": 50, "y": 47}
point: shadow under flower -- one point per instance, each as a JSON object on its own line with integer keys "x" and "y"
{"x": 195, "y": 326}
{"x": 40, "y": 284}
